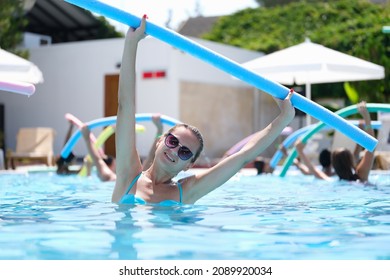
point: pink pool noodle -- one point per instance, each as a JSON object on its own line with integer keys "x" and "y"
{"x": 17, "y": 87}
{"x": 79, "y": 124}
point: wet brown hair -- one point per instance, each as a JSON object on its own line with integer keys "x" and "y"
{"x": 325, "y": 158}
{"x": 343, "y": 164}
{"x": 196, "y": 133}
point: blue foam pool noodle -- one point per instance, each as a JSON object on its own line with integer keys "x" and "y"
{"x": 233, "y": 68}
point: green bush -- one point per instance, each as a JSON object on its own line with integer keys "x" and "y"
{"x": 353, "y": 27}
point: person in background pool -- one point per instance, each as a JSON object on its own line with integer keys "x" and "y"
{"x": 324, "y": 159}
{"x": 64, "y": 163}
{"x": 176, "y": 150}
{"x": 105, "y": 164}
{"x": 263, "y": 165}
{"x": 343, "y": 160}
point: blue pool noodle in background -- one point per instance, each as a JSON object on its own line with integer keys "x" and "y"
{"x": 290, "y": 140}
{"x": 182, "y": 43}
{"x": 345, "y": 112}
{"x": 144, "y": 117}
{"x": 287, "y": 143}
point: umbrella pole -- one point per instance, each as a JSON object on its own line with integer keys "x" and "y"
{"x": 308, "y": 96}
{"x": 256, "y": 97}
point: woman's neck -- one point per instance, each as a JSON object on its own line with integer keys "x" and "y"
{"x": 158, "y": 176}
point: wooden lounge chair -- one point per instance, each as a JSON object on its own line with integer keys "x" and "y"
{"x": 33, "y": 144}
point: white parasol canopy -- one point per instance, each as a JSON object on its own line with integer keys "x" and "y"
{"x": 15, "y": 68}
{"x": 309, "y": 63}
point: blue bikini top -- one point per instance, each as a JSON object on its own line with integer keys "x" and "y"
{"x": 129, "y": 198}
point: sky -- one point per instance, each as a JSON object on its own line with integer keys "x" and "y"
{"x": 158, "y": 10}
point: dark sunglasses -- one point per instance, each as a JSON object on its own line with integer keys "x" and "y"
{"x": 172, "y": 142}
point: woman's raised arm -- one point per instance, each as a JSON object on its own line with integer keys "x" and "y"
{"x": 128, "y": 164}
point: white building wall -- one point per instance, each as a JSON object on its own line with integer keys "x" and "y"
{"x": 73, "y": 74}
{"x": 195, "y": 70}
{"x": 74, "y": 82}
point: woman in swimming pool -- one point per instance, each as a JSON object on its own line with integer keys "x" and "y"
{"x": 342, "y": 159}
{"x": 177, "y": 150}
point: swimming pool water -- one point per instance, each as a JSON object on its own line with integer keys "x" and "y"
{"x": 49, "y": 217}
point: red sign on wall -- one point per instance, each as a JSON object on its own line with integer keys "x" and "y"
{"x": 154, "y": 74}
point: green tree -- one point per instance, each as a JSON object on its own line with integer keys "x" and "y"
{"x": 106, "y": 30}
{"x": 350, "y": 26}
{"x": 12, "y": 23}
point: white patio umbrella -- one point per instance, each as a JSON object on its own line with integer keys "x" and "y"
{"x": 15, "y": 68}
{"x": 309, "y": 63}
